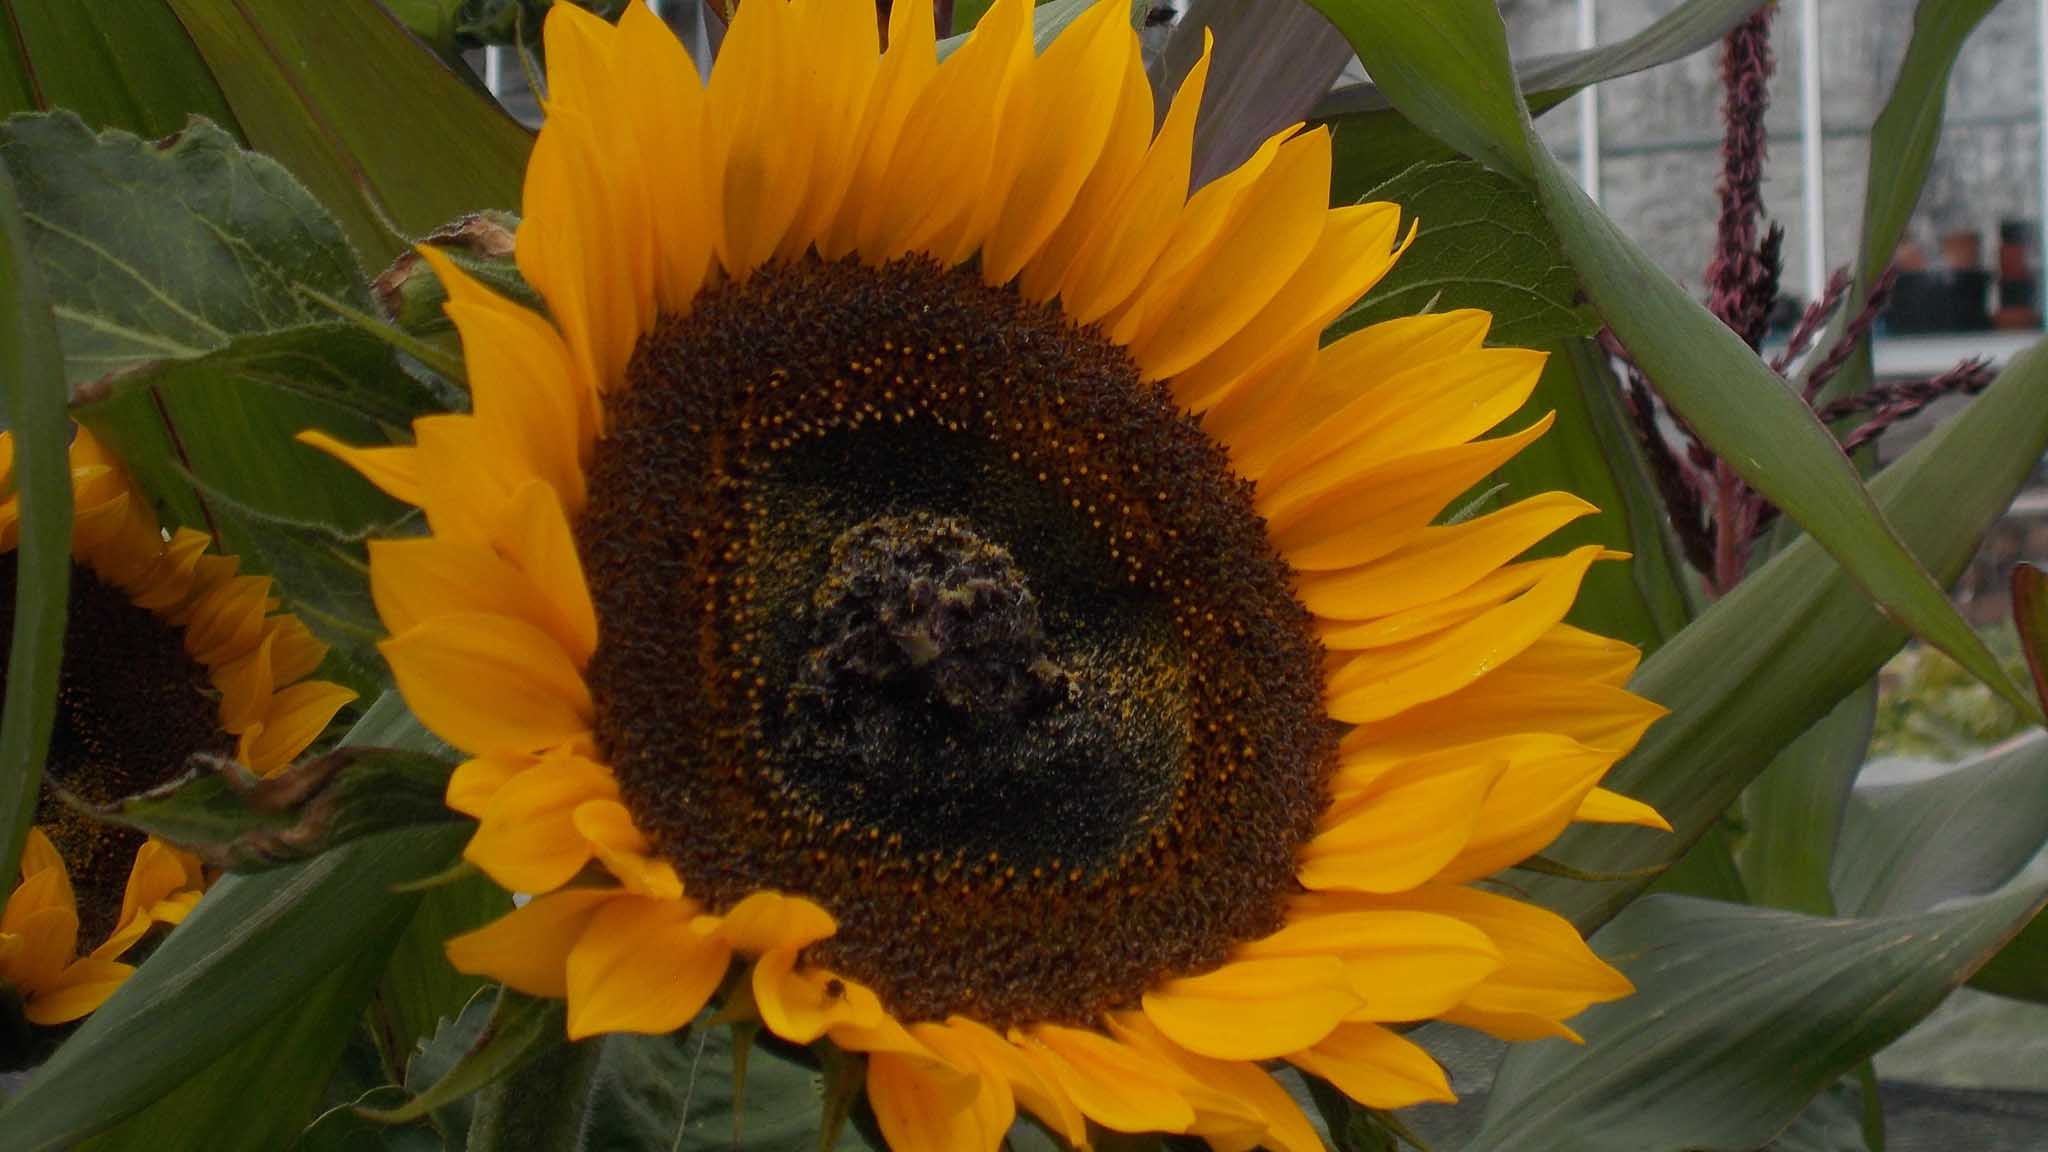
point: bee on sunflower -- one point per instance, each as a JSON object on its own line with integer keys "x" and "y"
{"x": 169, "y": 652}
{"x": 926, "y": 581}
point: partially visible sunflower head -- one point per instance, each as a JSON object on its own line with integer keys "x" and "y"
{"x": 169, "y": 652}
{"x": 926, "y": 577}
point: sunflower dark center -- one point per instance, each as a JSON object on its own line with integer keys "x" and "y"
{"x": 132, "y": 708}
{"x": 914, "y": 600}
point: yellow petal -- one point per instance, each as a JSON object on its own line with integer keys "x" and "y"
{"x": 642, "y": 966}
{"x": 1580, "y": 655}
{"x": 1603, "y": 807}
{"x": 393, "y": 469}
{"x": 1274, "y": 232}
{"x": 528, "y": 840}
{"x": 1402, "y": 965}
{"x": 1375, "y": 1067}
{"x": 489, "y": 684}
{"x": 1122, "y": 152}
{"x": 295, "y": 652}
{"x": 1074, "y": 95}
{"x": 296, "y": 717}
{"x": 940, "y": 170}
{"x": 770, "y": 921}
{"x": 608, "y": 828}
{"x": 1356, "y": 248}
{"x": 1130, "y": 235}
{"x": 421, "y": 578}
{"x": 1031, "y": 1082}
{"x": 1378, "y": 683}
{"x": 1530, "y": 807}
{"x": 157, "y": 873}
{"x": 1253, "y": 1009}
{"x": 574, "y": 247}
{"x": 1434, "y": 405}
{"x": 528, "y": 949}
{"x": 523, "y": 389}
{"x": 1113, "y": 1085}
{"x": 842, "y": 61}
{"x": 1237, "y": 1105}
{"x": 801, "y": 1005}
{"x": 930, "y": 1106}
{"x": 227, "y": 622}
{"x": 537, "y": 538}
{"x": 1405, "y": 828}
{"x": 1375, "y": 511}
{"x": 905, "y": 72}
{"x": 673, "y": 139}
{"x": 764, "y": 137}
{"x": 48, "y": 941}
{"x": 475, "y": 781}
{"x": 83, "y": 987}
{"x": 38, "y": 855}
{"x": 245, "y": 685}
{"x": 1506, "y": 702}
{"x": 1439, "y": 561}
{"x": 1548, "y": 974}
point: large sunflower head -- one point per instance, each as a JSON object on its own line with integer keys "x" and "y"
{"x": 927, "y": 558}
{"x": 169, "y": 652}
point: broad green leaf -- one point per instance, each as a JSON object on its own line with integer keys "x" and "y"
{"x": 1902, "y": 144}
{"x": 1741, "y": 1015}
{"x": 1686, "y": 29}
{"x": 1793, "y": 812}
{"x": 2020, "y": 970}
{"x": 1767, "y": 661}
{"x": 1482, "y": 243}
{"x": 252, "y": 955}
{"x": 1756, "y": 423}
{"x": 181, "y": 274}
{"x": 1832, "y": 1123}
{"x": 258, "y": 1095}
{"x": 32, "y": 374}
{"x": 234, "y": 820}
{"x": 118, "y": 63}
{"x": 383, "y": 131}
{"x": 1956, "y": 831}
{"x": 1445, "y": 66}
{"x": 1707, "y": 870}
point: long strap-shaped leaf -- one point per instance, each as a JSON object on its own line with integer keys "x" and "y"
{"x": 1445, "y": 66}
{"x": 32, "y": 369}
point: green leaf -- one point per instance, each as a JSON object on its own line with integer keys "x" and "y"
{"x": 1741, "y": 1016}
{"x": 2030, "y": 619}
{"x": 1793, "y": 812}
{"x": 251, "y": 957}
{"x": 1957, "y": 831}
{"x": 180, "y": 274}
{"x": 1771, "y": 658}
{"x": 1756, "y": 423}
{"x": 31, "y": 372}
{"x": 290, "y": 1055}
{"x": 118, "y": 63}
{"x": 234, "y": 820}
{"x": 1445, "y": 66}
{"x": 384, "y": 132}
{"x": 1482, "y": 243}
{"x": 1686, "y": 29}
{"x": 2020, "y": 970}
{"x": 1902, "y": 142}
{"x": 521, "y": 1029}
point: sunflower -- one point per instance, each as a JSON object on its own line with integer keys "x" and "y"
{"x": 925, "y": 578}
{"x": 168, "y": 652}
